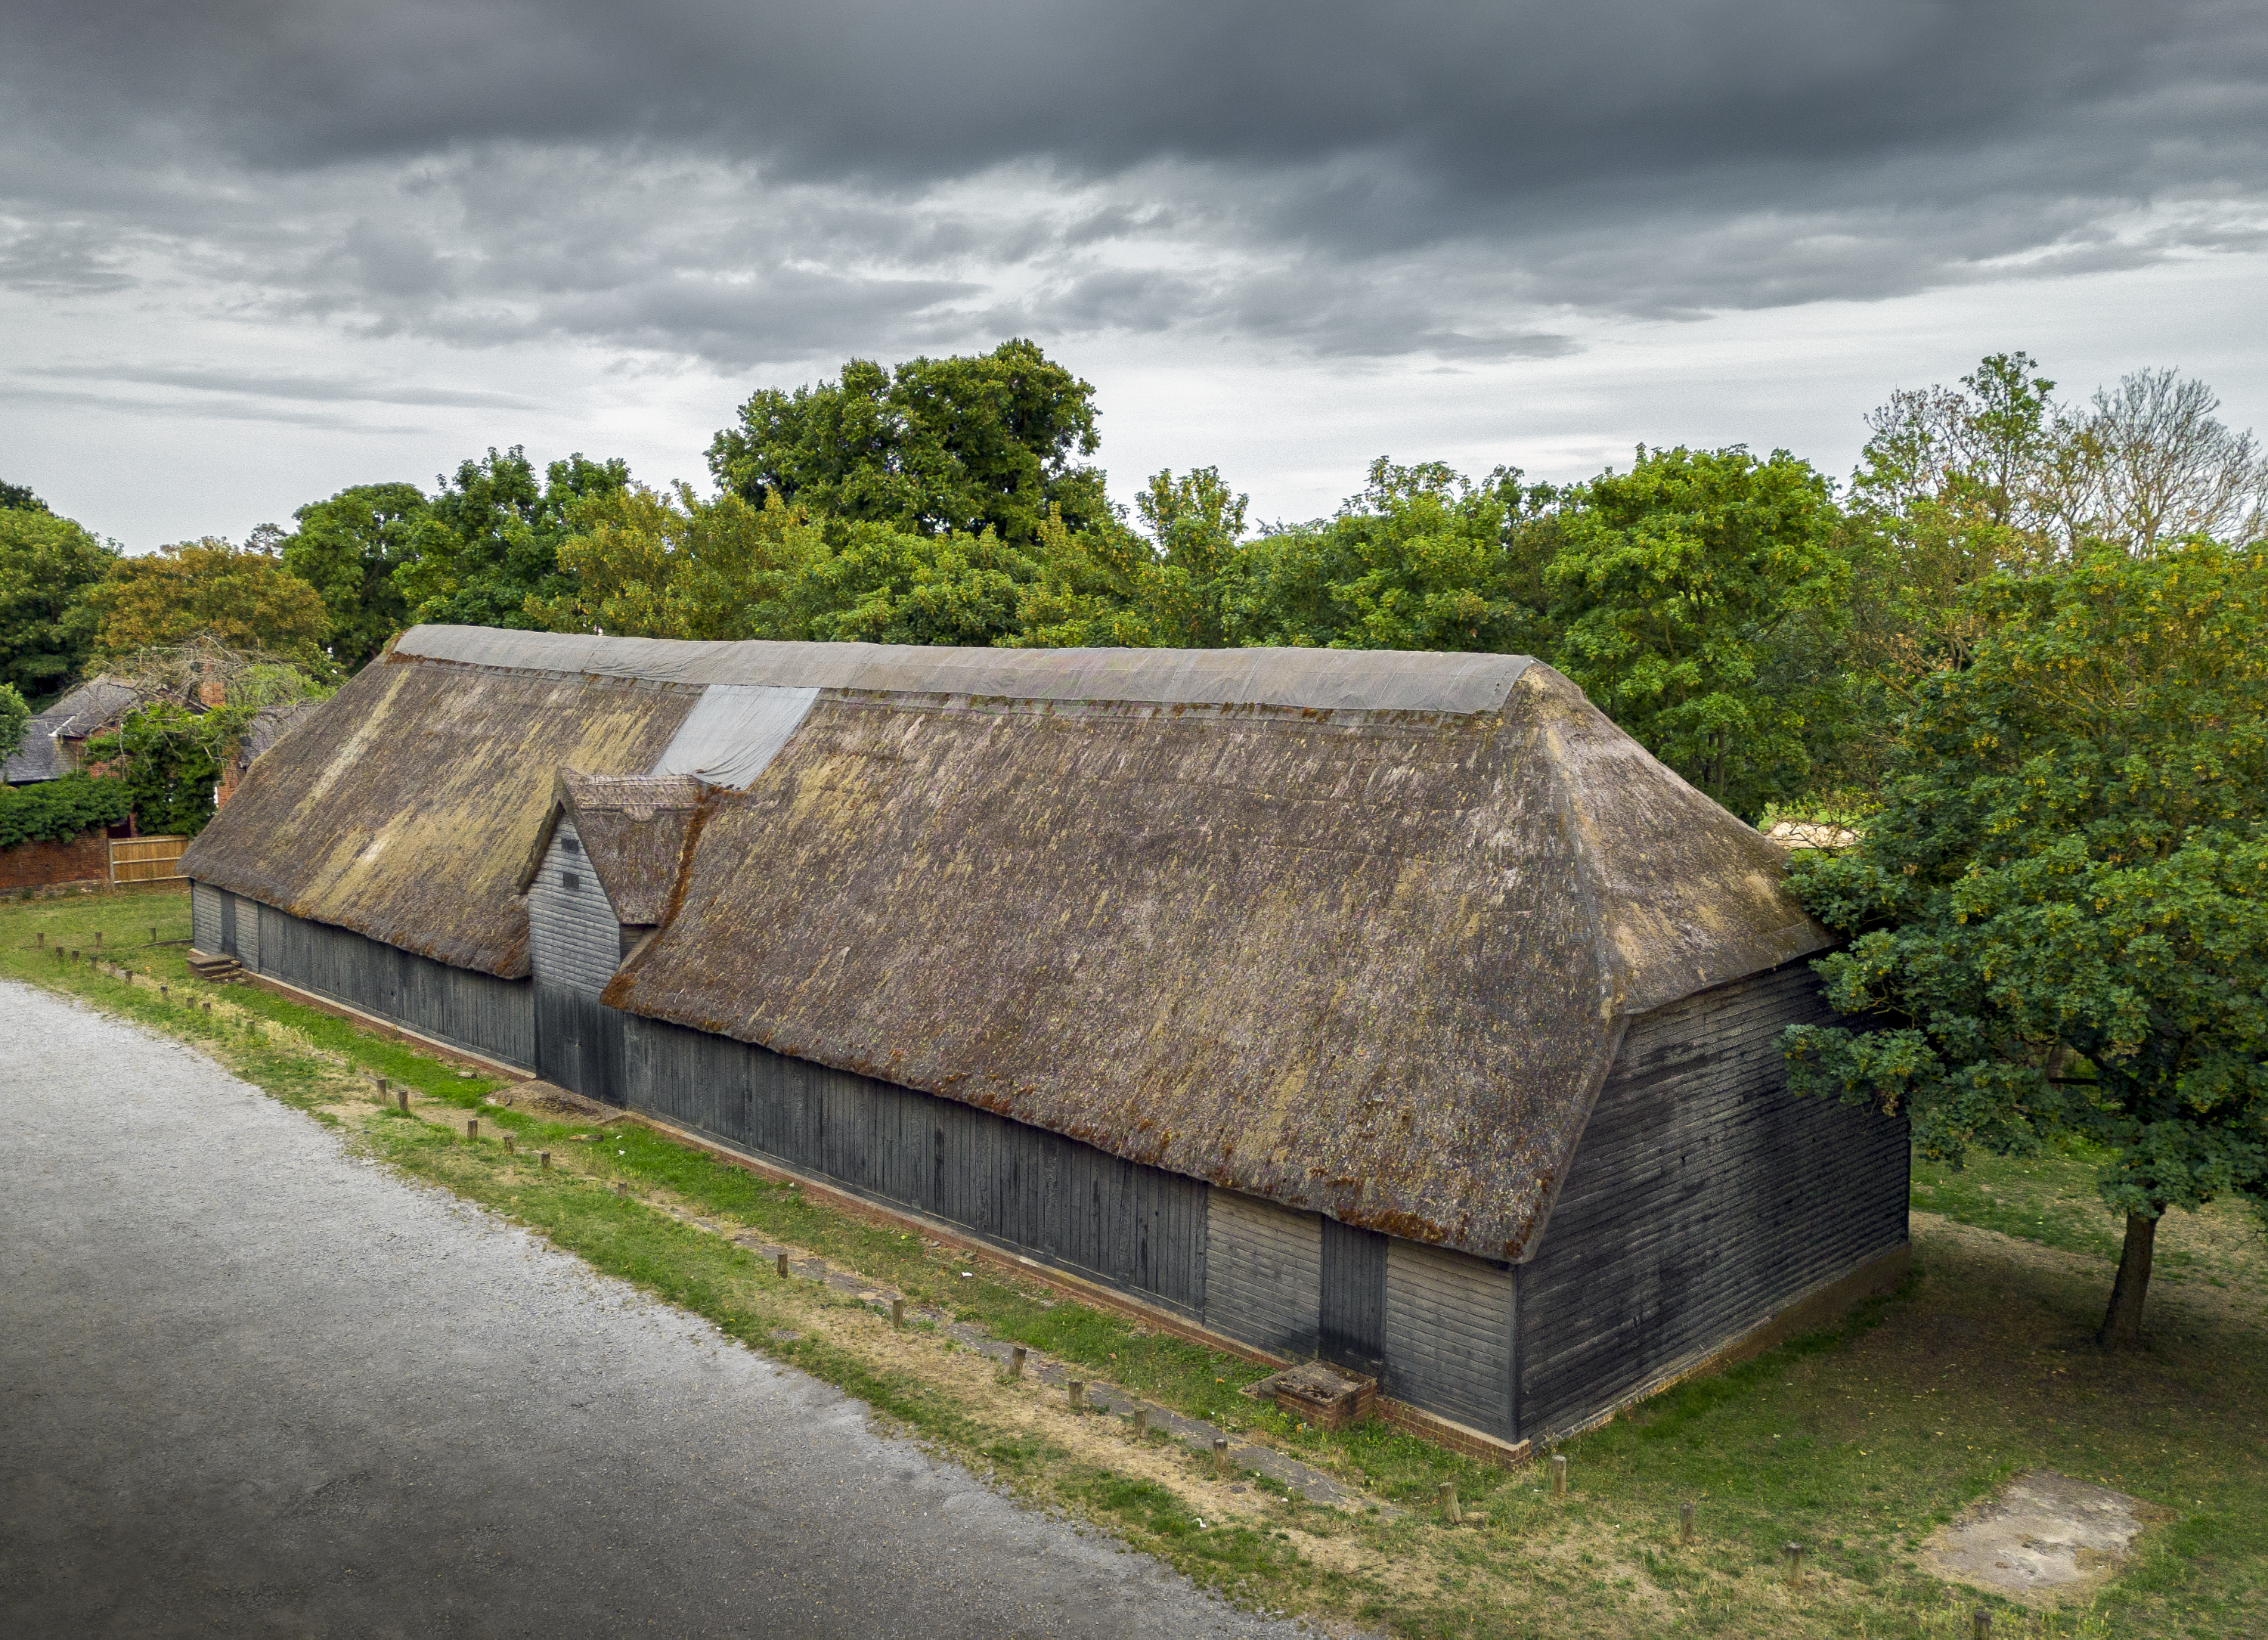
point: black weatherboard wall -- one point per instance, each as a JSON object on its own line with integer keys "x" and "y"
{"x": 575, "y": 942}
{"x": 1703, "y": 1199}
{"x": 491, "y": 1016}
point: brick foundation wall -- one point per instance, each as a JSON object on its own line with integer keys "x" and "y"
{"x": 85, "y": 859}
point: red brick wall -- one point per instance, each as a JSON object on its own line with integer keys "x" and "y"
{"x": 85, "y": 858}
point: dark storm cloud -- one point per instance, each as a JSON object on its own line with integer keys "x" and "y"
{"x": 746, "y": 182}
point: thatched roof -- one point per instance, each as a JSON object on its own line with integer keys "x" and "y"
{"x": 404, "y": 806}
{"x": 1205, "y": 910}
{"x": 633, "y": 829}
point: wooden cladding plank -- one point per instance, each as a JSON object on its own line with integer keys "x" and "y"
{"x": 1449, "y": 1334}
{"x": 1703, "y": 1198}
{"x": 1133, "y": 1227}
{"x": 489, "y": 1016}
{"x": 574, "y": 941}
{"x": 1263, "y": 1272}
{"x": 204, "y": 917}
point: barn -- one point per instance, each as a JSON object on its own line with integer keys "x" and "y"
{"x": 1388, "y": 1008}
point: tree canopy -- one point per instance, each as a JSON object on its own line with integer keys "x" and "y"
{"x": 1675, "y": 587}
{"x": 47, "y": 629}
{"x": 496, "y": 544}
{"x": 243, "y": 597}
{"x": 347, "y": 548}
{"x": 937, "y": 445}
{"x": 15, "y": 720}
{"x": 2060, "y": 912}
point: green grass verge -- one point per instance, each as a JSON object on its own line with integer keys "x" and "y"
{"x": 1856, "y": 1441}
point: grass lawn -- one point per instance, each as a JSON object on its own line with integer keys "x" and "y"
{"x": 1855, "y": 1442}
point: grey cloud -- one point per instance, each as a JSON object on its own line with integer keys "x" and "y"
{"x": 749, "y": 184}
{"x": 283, "y": 384}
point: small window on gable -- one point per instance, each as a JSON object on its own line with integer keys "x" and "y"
{"x": 570, "y": 845}
{"x": 570, "y": 881}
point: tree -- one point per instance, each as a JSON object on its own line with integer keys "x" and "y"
{"x": 56, "y": 812}
{"x": 1422, "y": 559}
{"x": 2149, "y": 463}
{"x": 496, "y": 543}
{"x": 647, "y": 564}
{"x": 2060, "y": 911}
{"x": 46, "y": 631}
{"x": 15, "y": 720}
{"x": 885, "y": 586}
{"x": 170, "y": 760}
{"x": 19, "y": 497}
{"x": 348, "y": 548}
{"x": 242, "y": 597}
{"x": 1195, "y": 524}
{"x": 938, "y": 446}
{"x": 1677, "y": 588}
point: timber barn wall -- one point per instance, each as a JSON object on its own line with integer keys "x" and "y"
{"x": 1703, "y": 1197}
{"x": 477, "y": 1011}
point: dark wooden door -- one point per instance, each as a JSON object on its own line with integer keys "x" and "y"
{"x": 227, "y": 926}
{"x": 1351, "y": 1325}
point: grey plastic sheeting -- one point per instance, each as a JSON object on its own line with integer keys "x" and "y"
{"x": 735, "y": 730}
{"x": 1372, "y": 680}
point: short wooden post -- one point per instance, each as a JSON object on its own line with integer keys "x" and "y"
{"x": 897, "y": 1313}
{"x": 544, "y": 1159}
{"x": 1559, "y": 1475}
{"x": 208, "y": 1008}
{"x": 783, "y": 1266}
{"x": 385, "y": 1091}
{"x": 1221, "y": 1454}
{"x": 473, "y": 1128}
{"x": 1016, "y": 1362}
{"x": 43, "y": 942}
{"x": 1792, "y": 1554}
{"x": 97, "y": 939}
{"x": 1685, "y": 1523}
{"x": 1981, "y": 1624}
{"x": 1447, "y": 1493}
{"x": 1078, "y": 1388}
{"x": 401, "y": 1099}
{"x": 1141, "y": 1421}
{"x": 165, "y": 993}
{"x": 509, "y": 1148}
{"x": 622, "y": 1190}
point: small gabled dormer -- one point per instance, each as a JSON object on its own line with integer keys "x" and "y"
{"x": 599, "y": 878}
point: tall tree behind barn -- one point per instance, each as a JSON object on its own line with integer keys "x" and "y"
{"x": 1393, "y": 1007}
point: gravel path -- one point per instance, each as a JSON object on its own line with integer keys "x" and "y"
{"x": 255, "y": 1385}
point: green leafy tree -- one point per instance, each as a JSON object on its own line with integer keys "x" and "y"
{"x": 496, "y": 542}
{"x": 241, "y": 595}
{"x": 1422, "y": 559}
{"x": 170, "y": 759}
{"x": 885, "y": 586}
{"x": 1678, "y": 588}
{"x": 19, "y": 497}
{"x": 55, "y": 811}
{"x": 938, "y": 446}
{"x": 1091, "y": 589}
{"x": 349, "y": 549}
{"x": 2059, "y": 915}
{"x": 15, "y": 720}
{"x": 1195, "y": 523}
{"x": 648, "y": 564}
{"x": 46, "y": 629}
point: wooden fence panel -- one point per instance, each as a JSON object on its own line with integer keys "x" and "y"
{"x": 146, "y": 859}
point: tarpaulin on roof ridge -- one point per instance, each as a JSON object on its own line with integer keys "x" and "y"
{"x": 1376, "y": 680}
{"x": 735, "y": 730}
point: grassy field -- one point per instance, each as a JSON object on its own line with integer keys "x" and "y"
{"x": 1856, "y": 1442}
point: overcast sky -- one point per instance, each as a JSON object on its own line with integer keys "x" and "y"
{"x": 252, "y": 253}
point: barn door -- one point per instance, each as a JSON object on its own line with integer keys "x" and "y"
{"x": 1351, "y": 1325}
{"x": 227, "y": 925}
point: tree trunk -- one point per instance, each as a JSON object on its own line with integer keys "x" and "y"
{"x": 2122, "y": 1323}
